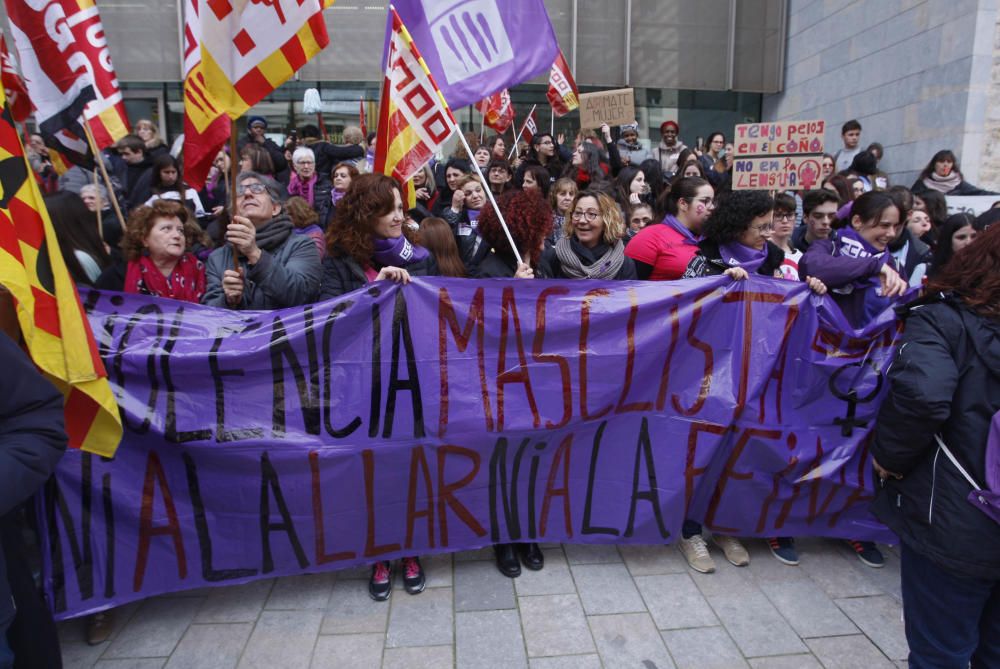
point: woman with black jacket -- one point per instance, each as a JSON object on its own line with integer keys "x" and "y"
{"x": 945, "y": 393}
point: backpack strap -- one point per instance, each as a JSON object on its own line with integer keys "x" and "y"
{"x": 954, "y": 461}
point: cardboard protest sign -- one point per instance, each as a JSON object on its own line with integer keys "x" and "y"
{"x": 612, "y": 107}
{"x": 970, "y": 204}
{"x": 450, "y": 414}
{"x": 777, "y": 173}
{"x": 778, "y": 138}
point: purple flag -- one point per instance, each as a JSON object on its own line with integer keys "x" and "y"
{"x": 475, "y": 48}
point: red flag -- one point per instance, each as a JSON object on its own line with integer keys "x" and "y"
{"x": 563, "y": 94}
{"x": 497, "y": 111}
{"x": 13, "y": 85}
{"x": 362, "y": 119}
{"x": 530, "y": 128}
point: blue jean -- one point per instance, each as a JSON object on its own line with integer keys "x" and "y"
{"x": 950, "y": 620}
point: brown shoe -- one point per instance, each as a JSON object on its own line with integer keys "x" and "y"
{"x": 99, "y": 627}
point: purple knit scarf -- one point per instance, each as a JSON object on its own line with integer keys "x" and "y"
{"x": 735, "y": 254}
{"x": 303, "y": 189}
{"x": 397, "y": 252}
{"x": 689, "y": 237}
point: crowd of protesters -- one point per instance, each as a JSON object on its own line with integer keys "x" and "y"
{"x": 311, "y": 222}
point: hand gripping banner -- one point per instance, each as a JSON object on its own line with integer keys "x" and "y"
{"x": 450, "y": 414}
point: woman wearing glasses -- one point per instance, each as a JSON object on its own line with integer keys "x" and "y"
{"x": 592, "y": 247}
{"x": 543, "y": 152}
{"x": 661, "y": 252}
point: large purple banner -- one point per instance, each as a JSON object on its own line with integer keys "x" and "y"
{"x": 451, "y": 414}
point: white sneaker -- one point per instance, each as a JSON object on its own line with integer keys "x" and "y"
{"x": 695, "y": 551}
{"x": 731, "y": 546}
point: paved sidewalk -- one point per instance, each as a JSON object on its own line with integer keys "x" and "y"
{"x": 592, "y": 606}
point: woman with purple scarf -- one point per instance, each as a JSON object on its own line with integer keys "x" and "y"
{"x": 367, "y": 242}
{"x": 303, "y": 179}
{"x": 856, "y": 263}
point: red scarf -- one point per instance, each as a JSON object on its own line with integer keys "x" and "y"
{"x": 186, "y": 282}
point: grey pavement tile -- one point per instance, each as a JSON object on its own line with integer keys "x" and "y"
{"x": 808, "y": 609}
{"x": 726, "y": 579}
{"x": 132, "y": 663}
{"x": 354, "y": 573}
{"x": 235, "y": 603}
{"x": 703, "y": 648}
{"x": 479, "y": 586}
{"x": 591, "y": 553}
{"x": 484, "y": 553}
{"x": 555, "y": 625}
{"x": 212, "y": 646}
{"x": 606, "y": 588}
{"x": 754, "y": 623}
{"x": 652, "y": 560}
{"x": 566, "y": 662}
{"x": 79, "y": 655}
{"x": 785, "y": 662}
{"x": 839, "y": 576}
{"x": 348, "y": 651}
{"x": 427, "y": 657}
{"x": 880, "y": 618}
{"x": 76, "y": 652}
{"x": 426, "y": 619}
{"x": 155, "y": 629}
{"x": 675, "y": 602}
{"x": 489, "y": 639}
{"x": 629, "y": 640}
{"x": 849, "y": 652}
{"x": 554, "y": 579}
{"x": 306, "y": 591}
{"x": 282, "y": 639}
{"x": 886, "y": 578}
{"x": 352, "y": 611}
{"x": 765, "y": 568}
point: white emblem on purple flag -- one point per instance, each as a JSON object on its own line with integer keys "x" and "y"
{"x": 472, "y": 35}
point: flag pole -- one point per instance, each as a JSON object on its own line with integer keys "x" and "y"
{"x": 552, "y": 122}
{"x": 489, "y": 194}
{"x": 100, "y": 223}
{"x": 104, "y": 172}
{"x": 233, "y": 173}
{"x": 482, "y": 129}
{"x": 518, "y": 135}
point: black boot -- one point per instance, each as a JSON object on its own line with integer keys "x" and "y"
{"x": 531, "y": 556}
{"x": 507, "y": 561}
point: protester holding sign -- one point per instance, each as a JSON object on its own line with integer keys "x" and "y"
{"x": 276, "y": 267}
{"x": 937, "y": 436}
{"x": 592, "y": 247}
{"x": 943, "y": 175}
{"x": 158, "y": 260}
{"x": 662, "y": 252}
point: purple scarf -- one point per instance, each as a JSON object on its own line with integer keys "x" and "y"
{"x": 303, "y": 189}
{"x": 689, "y": 237}
{"x": 735, "y": 254}
{"x": 852, "y": 245}
{"x": 336, "y": 196}
{"x": 397, "y": 252}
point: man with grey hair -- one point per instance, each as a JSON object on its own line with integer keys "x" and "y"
{"x": 277, "y": 267}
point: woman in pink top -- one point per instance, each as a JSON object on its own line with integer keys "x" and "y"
{"x": 662, "y": 252}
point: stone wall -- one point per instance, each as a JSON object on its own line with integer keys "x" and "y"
{"x": 916, "y": 73}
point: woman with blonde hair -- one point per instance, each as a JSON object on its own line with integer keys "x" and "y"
{"x": 150, "y": 135}
{"x": 593, "y": 244}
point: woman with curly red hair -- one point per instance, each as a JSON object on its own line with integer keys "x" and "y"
{"x": 158, "y": 259}
{"x": 529, "y": 219}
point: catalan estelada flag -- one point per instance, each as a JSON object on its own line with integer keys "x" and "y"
{"x": 250, "y": 48}
{"x": 413, "y": 119}
{"x": 52, "y": 320}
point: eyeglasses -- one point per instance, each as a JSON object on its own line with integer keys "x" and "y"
{"x": 590, "y": 216}
{"x": 255, "y": 188}
{"x": 763, "y": 228}
{"x": 305, "y": 162}
{"x": 707, "y": 201}
{"x": 546, "y": 142}
{"x": 785, "y": 217}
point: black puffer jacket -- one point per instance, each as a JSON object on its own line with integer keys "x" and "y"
{"x": 945, "y": 380}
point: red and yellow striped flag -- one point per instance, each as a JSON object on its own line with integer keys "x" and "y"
{"x": 248, "y": 49}
{"x": 413, "y": 120}
{"x": 52, "y": 320}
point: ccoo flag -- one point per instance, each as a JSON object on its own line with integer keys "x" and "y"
{"x": 563, "y": 95}
{"x": 13, "y": 85}
{"x": 206, "y": 126}
{"x": 63, "y": 51}
{"x": 250, "y": 47}
{"x": 497, "y": 111}
{"x": 477, "y": 47}
{"x": 414, "y": 120}
{"x": 54, "y": 326}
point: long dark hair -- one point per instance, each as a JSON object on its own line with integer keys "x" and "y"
{"x": 623, "y": 185}
{"x": 943, "y": 252}
{"x": 944, "y": 154}
{"x": 76, "y": 230}
{"x": 974, "y": 274}
{"x": 681, "y": 189}
{"x": 164, "y": 161}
